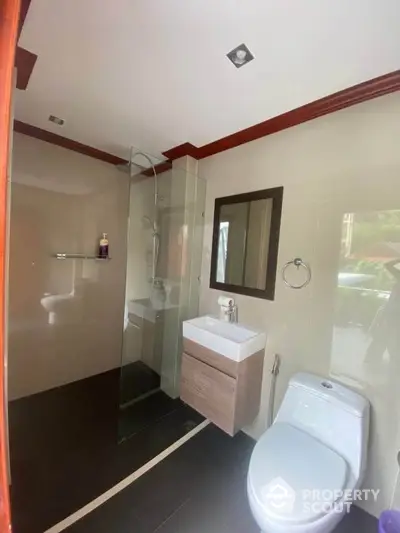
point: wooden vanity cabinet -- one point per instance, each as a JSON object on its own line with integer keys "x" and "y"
{"x": 226, "y": 392}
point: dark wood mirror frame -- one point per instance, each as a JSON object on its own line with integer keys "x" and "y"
{"x": 276, "y": 195}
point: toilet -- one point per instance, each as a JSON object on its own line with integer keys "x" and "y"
{"x": 305, "y": 467}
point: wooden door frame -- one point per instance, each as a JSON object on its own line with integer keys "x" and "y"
{"x": 9, "y": 16}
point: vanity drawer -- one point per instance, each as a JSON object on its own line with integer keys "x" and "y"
{"x": 214, "y": 359}
{"x": 209, "y": 391}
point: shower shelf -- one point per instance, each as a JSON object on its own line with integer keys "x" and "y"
{"x": 63, "y": 256}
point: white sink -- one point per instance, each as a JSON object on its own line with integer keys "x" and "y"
{"x": 231, "y": 340}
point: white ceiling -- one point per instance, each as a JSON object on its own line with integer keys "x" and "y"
{"x": 153, "y": 73}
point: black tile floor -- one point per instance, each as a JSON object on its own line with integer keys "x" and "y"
{"x": 64, "y": 447}
{"x": 137, "y": 379}
{"x": 199, "y": 488}
{"x": 138, "y": 416}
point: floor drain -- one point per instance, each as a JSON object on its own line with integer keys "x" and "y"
{"x": 189, "y": 425}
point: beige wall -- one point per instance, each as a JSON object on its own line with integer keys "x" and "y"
{"x": 346, "y": 162}
{"x": 65, "y": 317}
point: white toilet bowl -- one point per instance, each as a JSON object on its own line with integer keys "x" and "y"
{"x": 306, "y": 465}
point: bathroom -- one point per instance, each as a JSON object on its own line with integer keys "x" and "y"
{"x": 102, "y": 433}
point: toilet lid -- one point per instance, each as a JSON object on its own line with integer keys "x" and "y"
{"x": 286, "y": 466}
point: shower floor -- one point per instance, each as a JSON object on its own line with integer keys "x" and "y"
{"x": 64, "y": 449}
{"x": 144, "y": 413}
{"x": 141, "y": 400}
{"x": 137, "y": 379}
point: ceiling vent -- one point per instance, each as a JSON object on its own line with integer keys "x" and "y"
{"x": 57, "y": 120}
{"x": 240, "y": 55}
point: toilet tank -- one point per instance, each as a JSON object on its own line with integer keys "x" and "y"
{"x": 331, "y": 413}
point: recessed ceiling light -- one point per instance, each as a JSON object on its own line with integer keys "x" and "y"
{"x": 57, "y": 120}
{"x": 240, "y": 55}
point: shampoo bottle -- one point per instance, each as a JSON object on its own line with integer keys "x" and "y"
{"x": 103, "y": 247}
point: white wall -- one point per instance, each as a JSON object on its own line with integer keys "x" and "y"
{"x": 346, "y": 162}
{"x": 62, "y": 201}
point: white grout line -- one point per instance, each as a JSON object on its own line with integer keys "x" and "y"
{"x": 91, "y": 506}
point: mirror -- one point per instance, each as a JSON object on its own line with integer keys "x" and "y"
{"x": 245, "y": 242}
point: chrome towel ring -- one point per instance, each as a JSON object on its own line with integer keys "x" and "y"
{"x": 297, "y": 262}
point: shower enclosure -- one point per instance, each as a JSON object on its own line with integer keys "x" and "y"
{"x": 164, "y": 243}
{"x": 94, "y": 342}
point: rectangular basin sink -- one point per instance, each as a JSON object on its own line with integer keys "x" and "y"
{"x": 234, "y": 341}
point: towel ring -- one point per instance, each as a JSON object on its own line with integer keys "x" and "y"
{"x": 298, "y": 262}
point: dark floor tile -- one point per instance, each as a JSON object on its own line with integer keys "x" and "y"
{"x": 211, "y": 514}
{"x": 118, "y": 518}
{"x": 199, "y": 488}
{"x": 63, "y": 418}
{"x": 145, "y": 412}
{"x": 64, "y": 460}
{"x": 205, "y": 474}
{"x": 137, "y": 379}
{"x": 73, "y": 456}
{"x": 156, "y": 495}
{"x": 357, "y": 521}
{"x": 229, "y": 512}
{"x": 219, "y": 502}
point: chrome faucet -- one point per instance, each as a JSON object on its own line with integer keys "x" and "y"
{"x": 232, "y": 313}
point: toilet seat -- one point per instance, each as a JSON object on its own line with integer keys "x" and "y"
{"x": 285, "y": 462}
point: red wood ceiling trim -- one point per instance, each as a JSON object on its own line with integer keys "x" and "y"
{"x": 24, "y": 61}
{"x": 181, "y": 151}
{"x": 362, "y": 92}
{"x": 58, "y": 140}
{"x": 69, "y": 144}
